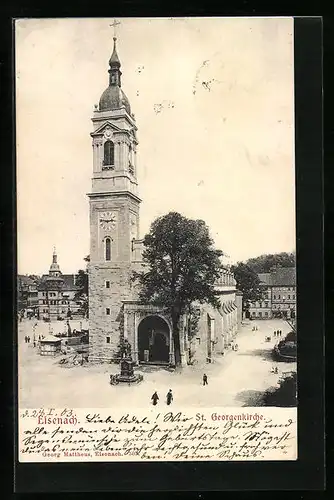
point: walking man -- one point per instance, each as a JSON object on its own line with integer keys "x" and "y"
{"x": 205, "y": 379}
{"x": 169, "y": 397}
{"x": 155, "y": 398}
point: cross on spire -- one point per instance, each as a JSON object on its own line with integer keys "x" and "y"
{"x": 114, "y": 24}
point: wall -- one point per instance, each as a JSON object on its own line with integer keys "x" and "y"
{"x": 104, "y": 329}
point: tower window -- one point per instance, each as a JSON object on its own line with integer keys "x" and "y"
{"x": 108, "y": 340}
{"x": 107, "y": 284}
{"x": 108, "y": 311}
{"x": 108, "y": 153}
{"x": 108, "y": 249}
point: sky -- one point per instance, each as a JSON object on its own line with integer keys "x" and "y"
{"x": 220, "y": 149}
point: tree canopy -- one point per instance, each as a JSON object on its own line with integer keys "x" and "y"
{"x": 81, "y": 282}
{"x": 182, "y": 267}
{"x": 267, "y": 262}
{"x": 81, "y": 296}
{"x": 248, "y": 283}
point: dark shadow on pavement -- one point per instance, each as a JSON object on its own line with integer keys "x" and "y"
{"x": 250, "y": 398}
{"x": 266, "y": 354}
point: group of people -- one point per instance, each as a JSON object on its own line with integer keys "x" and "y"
{"x": 278, "y": 333}
{"x": 169, "y": 397}
{"x": 255, "y": 328}
{"x": 27, "y": 339}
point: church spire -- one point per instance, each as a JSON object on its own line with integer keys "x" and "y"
{"x": 114, "y": 68}
{"x": 54, "y": 268}
{"x": 54, "y": 256}
{"x": 114, "y": 59}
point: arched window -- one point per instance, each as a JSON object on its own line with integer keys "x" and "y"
{"x": 108, "y": 153}
{"x": 108, "y": 249}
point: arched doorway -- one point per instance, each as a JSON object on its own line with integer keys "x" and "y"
{"x": 153, "y": 340}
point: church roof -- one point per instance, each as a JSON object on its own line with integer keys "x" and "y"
{"x": 114, "y": 98}
{"x": 114, "y": 60}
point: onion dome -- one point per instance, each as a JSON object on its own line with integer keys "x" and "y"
{"x": 114, "y": 97}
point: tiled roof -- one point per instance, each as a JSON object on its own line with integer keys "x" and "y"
{"x": 284, "y": 276}
{"x": 265, "y": 278}
{"x": 68, "y": 281}
{"x": 25, "y": 280}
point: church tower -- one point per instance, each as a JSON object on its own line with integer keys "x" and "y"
{"x": 114, "y": 213}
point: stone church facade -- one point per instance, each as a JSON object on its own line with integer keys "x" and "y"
{"x": 115, "y": 251}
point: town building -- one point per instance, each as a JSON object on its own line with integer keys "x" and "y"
{"x": 116, "y": 249}
{"x": 279, "y": 295}
{"x": 27, "y": 291}
{"x": 57, "y": 294}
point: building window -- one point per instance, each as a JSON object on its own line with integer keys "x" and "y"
{"x": 279, "y": 296}
{"x": 107, "y": 284}
{"x": 108, "y": 249}
{"x": 266, "y": 313}
{"x": 108, "y": 153}
{"x": 260, "y": 314}
{"x": 108, "y": 340}
{"x": 253, "y": 313}
{"x": 288, "y": 296}
{"x": 108, "y": 311}
{"x": 274, "y": 296}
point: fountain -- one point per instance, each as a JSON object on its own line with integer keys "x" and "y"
{"x": 127, "y": 364}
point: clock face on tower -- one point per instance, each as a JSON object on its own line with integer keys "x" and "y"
{"x": 107, "y": 133}
{"x": 107, "y": 220}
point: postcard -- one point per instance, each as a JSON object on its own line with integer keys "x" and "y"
{"x": 157, "y": 301}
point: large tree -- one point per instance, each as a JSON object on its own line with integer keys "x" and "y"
{"x": 248, "y": 283}
{"x": 81, "y": 296}
{"x": 182, "y": 267}
{"x": 267, "y": 262}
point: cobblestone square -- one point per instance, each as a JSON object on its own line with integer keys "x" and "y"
{"x": 236, "y": 379}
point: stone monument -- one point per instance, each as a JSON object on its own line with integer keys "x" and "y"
{"x": 127, "y": 364}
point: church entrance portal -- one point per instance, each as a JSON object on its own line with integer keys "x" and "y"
{"x": 153, "y": 340}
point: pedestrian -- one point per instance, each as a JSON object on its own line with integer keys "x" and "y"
{"x": 39, "y": 337}
{"x": 34, "y": 343}
{"x": 236, "y": 347}
{"x": 28, "y": 339}
{"x": 155, "y": 398}
{"x": 275, "y": 333}
{"x": 205, "y": 379}
{"x": 169, "y": 397}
